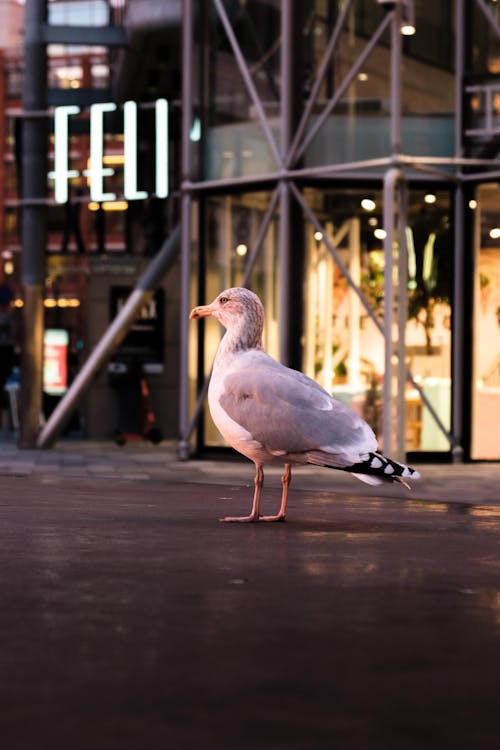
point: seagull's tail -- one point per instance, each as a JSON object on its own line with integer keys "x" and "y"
{"x": 374, "y": 468}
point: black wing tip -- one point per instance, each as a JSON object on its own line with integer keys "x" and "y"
{"x": 386, "y": 468}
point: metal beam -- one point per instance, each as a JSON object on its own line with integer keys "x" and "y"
{"x": 489, "y": 16}
{"x": 105, "y": 36}
{"x": 82, "y": 97}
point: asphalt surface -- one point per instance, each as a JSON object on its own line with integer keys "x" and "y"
{"x": 131, "y": 618}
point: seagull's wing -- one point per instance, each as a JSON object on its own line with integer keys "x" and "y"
{"x": 288, "y": 413}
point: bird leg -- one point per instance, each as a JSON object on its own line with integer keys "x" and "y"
{"x": 285, "y": 481}
{"x": 254, "y": 513}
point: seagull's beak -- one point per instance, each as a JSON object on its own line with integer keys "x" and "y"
{"x": 203, "y": 311}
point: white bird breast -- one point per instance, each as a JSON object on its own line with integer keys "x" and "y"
{"x": 231, "y": 431}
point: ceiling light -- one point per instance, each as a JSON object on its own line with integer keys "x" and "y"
{"x": 380, "y": 234}
{"x": 473, "y": 204}
{"x": 408, "y": 29}
{"x": 318, "y": 236}
{"x": 241, "y": 249}
{"x": 495, "y": 233}
{"x": 368, "y": 204}
{"x": 430, "y": 198}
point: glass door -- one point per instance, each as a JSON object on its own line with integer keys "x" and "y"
{"x": 232, "y": 229}
{"x": 486, "y": 330}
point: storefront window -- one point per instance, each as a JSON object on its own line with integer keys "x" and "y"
{"x": 343, "y": 347}
{"x": 74, "y": 67}
{"x": 236, "y": 143}
{"x": 485, "y": 53}
{"x": 486, "y": 353}
{"x": 78, "y": 12}
{"x": 359, "y": 125}
{"x": 233, "y": 223}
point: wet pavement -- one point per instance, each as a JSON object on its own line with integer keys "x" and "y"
{"x": 130, "y": 618}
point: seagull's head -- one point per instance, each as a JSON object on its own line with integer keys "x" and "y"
{"x": 236, "y": 308}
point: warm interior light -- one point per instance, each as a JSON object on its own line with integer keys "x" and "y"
{"x": 60, "y": 302}
{"x": 368, "y": 204}
{"x": 108, "y": 206}
{"x": 318, "y": 236}
{"x": 241, "y": 249}
{"x": 473, "y": 204}
{"x": 113, "y": 159}
{"x": 380, "y": 234}
{"x": 495, "y": 233}
{"x": 430, "y": 198}
{"x": 408, "y": 29}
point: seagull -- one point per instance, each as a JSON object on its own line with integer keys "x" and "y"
{"x": 275, "y": 415}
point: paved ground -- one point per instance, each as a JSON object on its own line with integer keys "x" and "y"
{"x": 130, "y": 618}
{"x": 143, "y": 462}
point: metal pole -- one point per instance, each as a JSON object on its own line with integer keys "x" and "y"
{"x": 285, "y": 237}
{"x": 113, "y": 336}
{"x": 34, "y": 180}
{"x": 396, "y": 50}
{"x": 391, "y": 180}
{"x": 458, "y": 322}
{"x": 402, "y": 314}
{"x": 187, "y": 93}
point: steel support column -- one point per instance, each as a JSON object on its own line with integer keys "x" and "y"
{"x": 285, "y": 234}
{"x": 458, "y": 321}
{"x": 187, "y": 116}
{"x": 395, "y": 308}
{"x": 33, "y": 227}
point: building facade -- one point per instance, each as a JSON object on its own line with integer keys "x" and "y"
{"x": 338, "y": 157}
{"x": 343, "y": 161}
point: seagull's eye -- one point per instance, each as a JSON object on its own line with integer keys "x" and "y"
{"x": 223, "y": 300}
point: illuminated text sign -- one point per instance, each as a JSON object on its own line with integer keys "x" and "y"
{"x": 97, "y": 171}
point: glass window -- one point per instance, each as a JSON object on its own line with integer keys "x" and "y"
{"x": 358, "y": 126}
{"x": 486, "y": 352}
{"x": 485, "y": 53}
{"x": 236, "y": 143}
{"x": 343, "y": 347}
{"x": 232, "y": 227}
{"x": 78, "y": 12}
{"x": 74, "y": 67}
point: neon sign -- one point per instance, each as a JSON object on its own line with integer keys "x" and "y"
{"x": 97, "y": 171}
